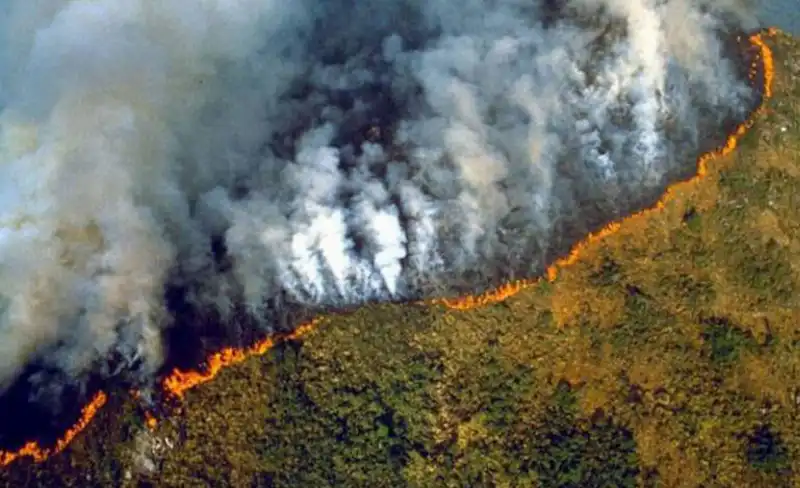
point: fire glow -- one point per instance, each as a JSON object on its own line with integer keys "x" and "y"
{"x": 178, "y": 382}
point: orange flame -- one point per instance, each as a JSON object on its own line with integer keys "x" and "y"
{"x": 150, "y": 421}
{"x": 511, "y": 289}
{"x": 39, "y": 454}
{"x": 178, "y": 382}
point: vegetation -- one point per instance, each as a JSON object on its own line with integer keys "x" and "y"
{"x": 668, "y": 355}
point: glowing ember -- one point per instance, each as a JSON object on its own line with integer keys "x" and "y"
{"x": 150, "y": 421}
{"x": 178, "y": 382}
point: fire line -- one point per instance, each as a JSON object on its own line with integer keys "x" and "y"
{"x": 178, "y": 382}
{"x": 39, "y": 454}
{"x": 505, "y": 291}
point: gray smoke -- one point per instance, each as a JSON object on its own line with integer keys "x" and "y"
{"x": 341, "y": 151}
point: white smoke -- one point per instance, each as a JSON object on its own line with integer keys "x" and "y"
{"x": 342, "y": 152}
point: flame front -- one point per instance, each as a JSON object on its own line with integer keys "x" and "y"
{"x": 178, "y": 382}
{"x": 39, "y": 454}
{"x": 510, "y": 289}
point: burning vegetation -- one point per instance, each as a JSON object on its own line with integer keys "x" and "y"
{"x": 176, "y": 382}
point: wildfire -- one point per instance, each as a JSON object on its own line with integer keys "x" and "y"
{"x": 39, "y": 454}
{"x": 510, "y": 289}
{"x": 178, "y": 382}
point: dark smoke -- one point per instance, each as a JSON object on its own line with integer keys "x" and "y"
{"x": 240, "y": 161}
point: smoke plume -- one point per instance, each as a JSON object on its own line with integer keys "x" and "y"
{"x": 259, "y": 155}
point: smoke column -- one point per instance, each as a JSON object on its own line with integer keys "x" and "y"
{"x": 262, "y": 155}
